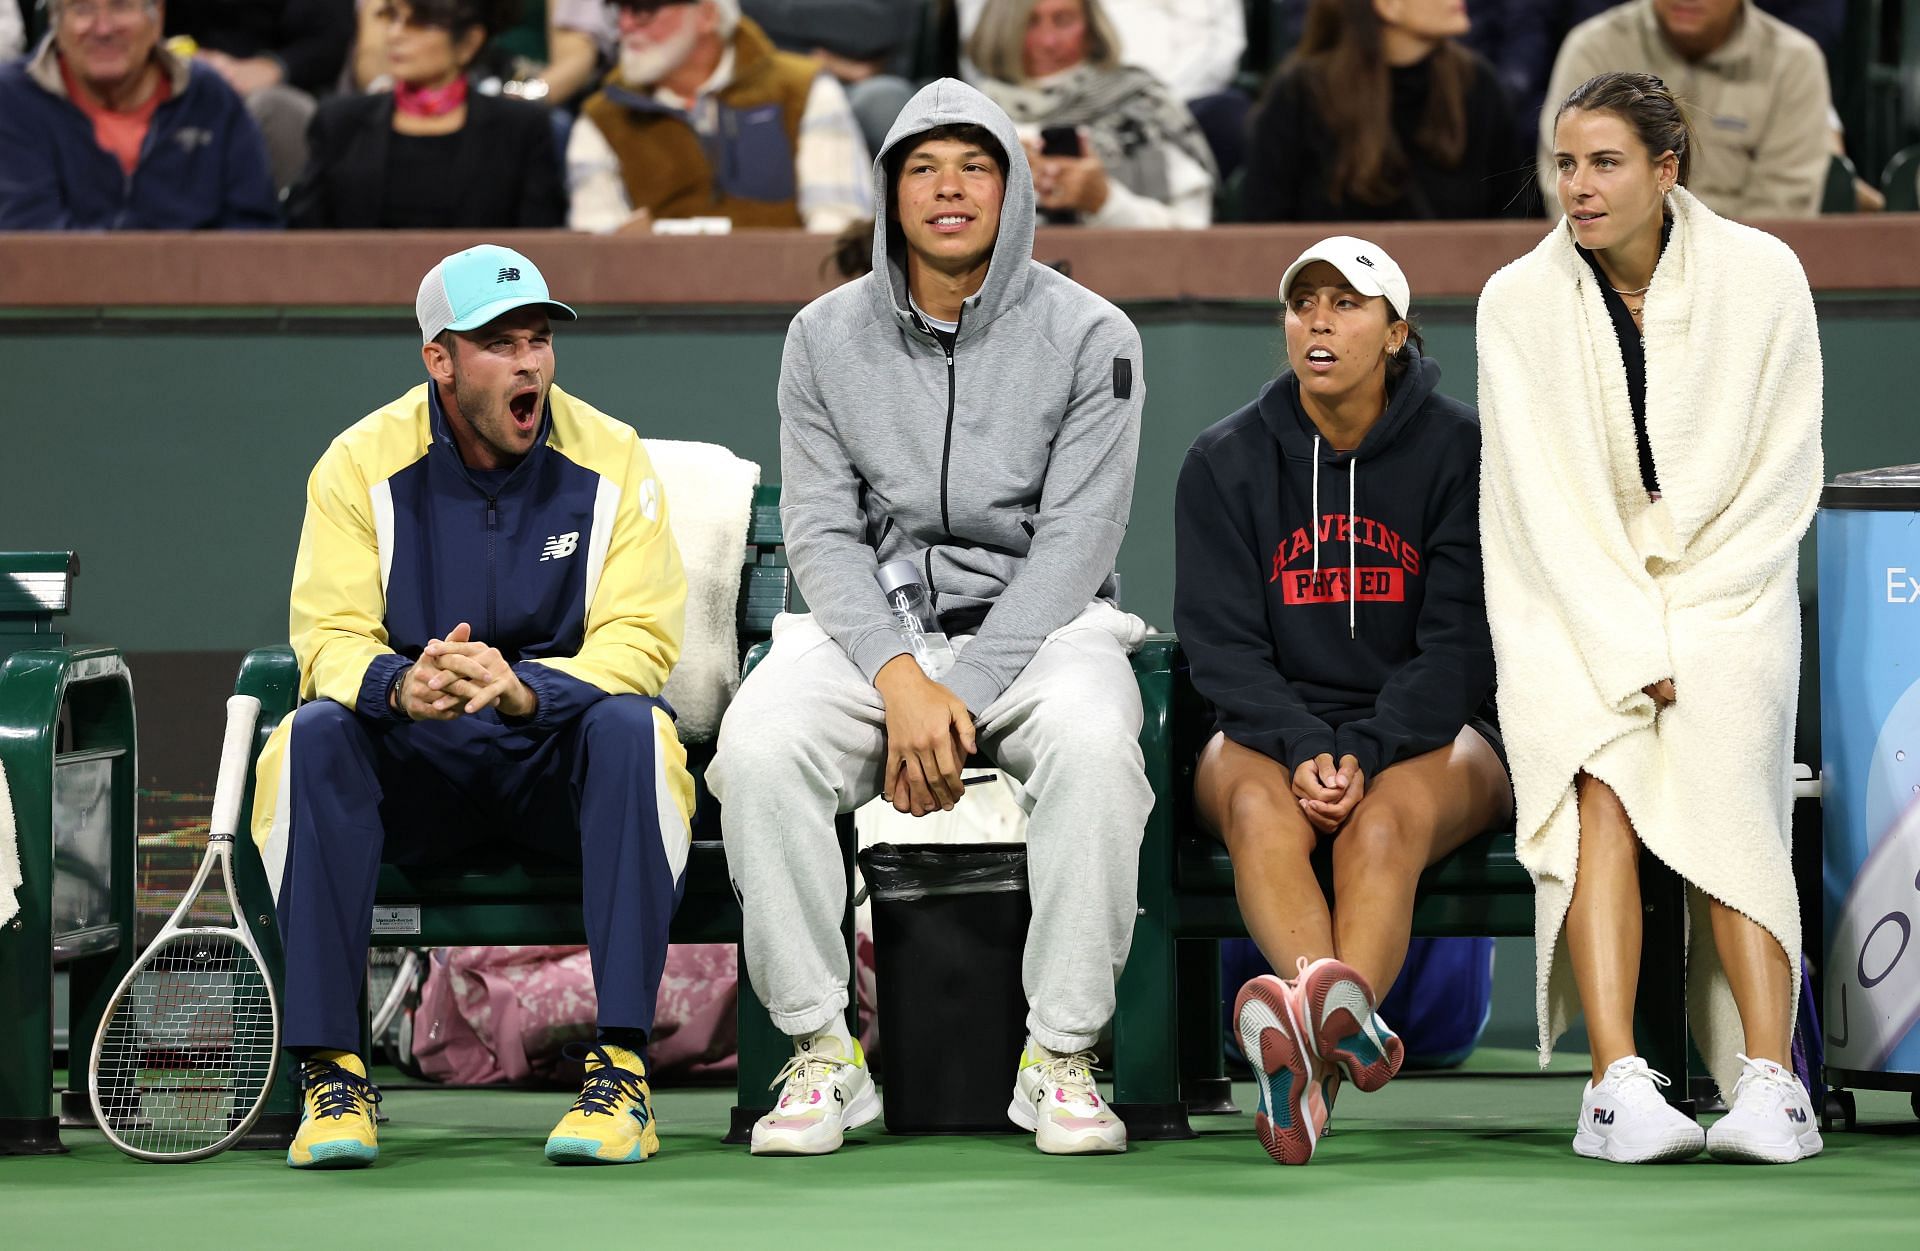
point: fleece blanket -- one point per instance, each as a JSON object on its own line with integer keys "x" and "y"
{"x": 709, "y": 503}
{"x": 1595, "y": 593}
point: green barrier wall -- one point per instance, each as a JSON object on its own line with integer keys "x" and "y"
{"x": 172, "y": 453}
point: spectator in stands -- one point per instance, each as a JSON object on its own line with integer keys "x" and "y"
{"x": 1755, "y": 89}
{"x": 1134, "y": 155}
{"x": 13, "y": 31}
{"x": 866, "y": 44}
{"x": 103, "y": 129}
{"x": 422, "y": 744}
{"x": 580, "y": 40}
{"x": 1193, "y": 46}
{"x": 432, "y": 154}
{"x": 1380, "y": 115}
{"x": 1349, "y": 671}
{"x": 703, "y": 116}
{"x": 278, "y": 54}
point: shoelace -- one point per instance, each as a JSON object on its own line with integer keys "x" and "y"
{"x": 605, "y": 1086}
{"x": 1636, "y": 1083}
{"x": 1778, "y": 1084}
{"x": 803, "y": 1071}
{"x": 1071, "y": 1073}
{"x": 336, "y": 1092}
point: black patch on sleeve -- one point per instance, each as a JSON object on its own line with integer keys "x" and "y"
{"x": 1122, "y": 378}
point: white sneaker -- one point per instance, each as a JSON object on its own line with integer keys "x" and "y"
{"x": 823, "y": 1093}
{"x": 1055, "y": 1098}
{"x": 1771, "y": 1121}
{"x": 1625, "y": 1118}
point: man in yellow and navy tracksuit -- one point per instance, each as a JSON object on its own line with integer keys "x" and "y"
{"x": 486, "y": 603}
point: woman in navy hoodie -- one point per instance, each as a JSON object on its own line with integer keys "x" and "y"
{"x": 1328, "y": 596}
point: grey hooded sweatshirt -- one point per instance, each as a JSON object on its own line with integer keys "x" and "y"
{"x": 1005, "y": 469}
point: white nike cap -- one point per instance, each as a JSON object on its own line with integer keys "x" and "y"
{"x": 1367, "y": 269}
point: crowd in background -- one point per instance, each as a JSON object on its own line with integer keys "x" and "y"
{"x": 608, "y": 116}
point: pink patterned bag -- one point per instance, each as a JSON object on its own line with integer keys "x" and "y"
{"x": 503, "y": 1014}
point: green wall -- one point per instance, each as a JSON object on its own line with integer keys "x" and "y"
{"x": 171, "y": 453}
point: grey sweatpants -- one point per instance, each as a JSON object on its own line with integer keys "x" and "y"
{"x": 806, "y": 738}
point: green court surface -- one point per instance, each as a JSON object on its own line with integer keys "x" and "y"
{"x": 1474, "y": 1159}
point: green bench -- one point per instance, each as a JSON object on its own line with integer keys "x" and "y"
{"x": 67, "y": 742}
{"x": 1168, "y": 1030}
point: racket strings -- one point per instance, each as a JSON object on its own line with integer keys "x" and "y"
{"x": 188, "y": 1050}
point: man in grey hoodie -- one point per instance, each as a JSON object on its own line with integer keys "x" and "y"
{"x": 971, "y": 410}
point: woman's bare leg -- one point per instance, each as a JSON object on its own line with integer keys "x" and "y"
{"x": 1603, "y": 922}
{"x": 1411, "y": 815}
{"x": 1761, "y": 978}
{"x": 1246, "y": 797}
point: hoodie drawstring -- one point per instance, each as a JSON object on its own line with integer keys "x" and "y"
{"x": 1353, "y": 559}
{"x": 1315, "y": 514}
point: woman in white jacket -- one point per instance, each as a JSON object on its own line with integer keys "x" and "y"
{"x": 1650, "y": 393}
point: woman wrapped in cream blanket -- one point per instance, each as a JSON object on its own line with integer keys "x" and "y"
{"x": 1650, "y": 392}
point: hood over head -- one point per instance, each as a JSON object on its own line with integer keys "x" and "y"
{"x": 950, "y": 102}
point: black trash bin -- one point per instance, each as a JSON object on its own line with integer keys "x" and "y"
{"x": 949, "y": 926}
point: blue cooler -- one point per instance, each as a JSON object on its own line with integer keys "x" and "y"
{"x": 1869, "y": 547}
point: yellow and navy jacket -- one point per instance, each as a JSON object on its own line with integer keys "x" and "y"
{"x": 566, "y": 564}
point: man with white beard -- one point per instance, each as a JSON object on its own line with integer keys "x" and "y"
{"x": 704, "y": 117}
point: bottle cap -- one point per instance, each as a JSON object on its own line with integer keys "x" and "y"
{"x": 898, "y": 573}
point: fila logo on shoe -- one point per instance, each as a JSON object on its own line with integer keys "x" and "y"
{"x": 1603, "y": 1116}
{"x": 1797, "y": 1115}
{"x": 561, "y": 546}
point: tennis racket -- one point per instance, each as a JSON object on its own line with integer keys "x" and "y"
{"x": 186, "y": 1052}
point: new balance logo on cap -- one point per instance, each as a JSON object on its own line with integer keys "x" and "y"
{"x": 561, "y": 546}
{"x": 1603, "y": 1116}
{"x": 463, "y": 291}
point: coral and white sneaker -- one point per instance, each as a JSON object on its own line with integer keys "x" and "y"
{"x": 824, "y": 1092}
{"x": 1293, "y": 1106}
{"x": 1627, "y": 1120}
{"x": 1348, "y": 1034}
{"x": 1055, "y": 1098}
{"x": 1771, "y": 1121}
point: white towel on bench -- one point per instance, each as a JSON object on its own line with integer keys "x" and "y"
{"x": 709, "y": 504}
{"x": 10, "y": 878}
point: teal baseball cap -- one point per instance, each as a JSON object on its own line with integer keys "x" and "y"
{"x": 469, "y": 289}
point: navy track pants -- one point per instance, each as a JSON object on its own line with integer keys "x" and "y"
{"x": 586, "y": 794}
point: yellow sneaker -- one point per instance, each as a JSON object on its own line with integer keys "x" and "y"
{"x": 612, "y": 1120}
{"x": 336, "y": 1114}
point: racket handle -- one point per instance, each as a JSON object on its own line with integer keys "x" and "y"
{"x": 243, "y": 713}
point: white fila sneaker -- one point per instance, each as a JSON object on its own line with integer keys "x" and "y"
{"x": 1625, "y": 1118}
{"x": 823, "y": 1093}
{"x": 1771, "y": 1121}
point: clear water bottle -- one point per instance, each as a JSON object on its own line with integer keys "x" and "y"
{"x": 913, "y": 617}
